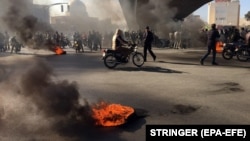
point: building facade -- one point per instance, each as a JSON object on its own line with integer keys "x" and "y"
{"x": 224, "y": 12}
{"x": 59, "y": 13}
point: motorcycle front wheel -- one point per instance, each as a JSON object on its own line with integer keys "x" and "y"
{"x": 243, "y": 55}
{"x": 138, "y": 59}
{"x": 227, "y": 54}
{"x": 110, "y": 61}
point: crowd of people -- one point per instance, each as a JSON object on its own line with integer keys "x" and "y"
{"x": 39, "y": 40}
{"x": 95, "y": 40}
{"x": 8, "y": 43}
{"x": 231, "y": 34}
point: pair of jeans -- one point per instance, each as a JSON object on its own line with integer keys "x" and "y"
{"x": 209, "y": 49}
{"x": 148, "y": 48}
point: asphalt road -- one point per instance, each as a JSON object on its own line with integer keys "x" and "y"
{"x": 175, "y": 89}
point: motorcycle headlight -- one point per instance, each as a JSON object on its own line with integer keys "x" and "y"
{"x": 224, "y": 45}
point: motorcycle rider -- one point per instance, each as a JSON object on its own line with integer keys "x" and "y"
{"x": 243, "y": 32}
{"x": 236, "y": 37}
{"x": 118, "y": 44}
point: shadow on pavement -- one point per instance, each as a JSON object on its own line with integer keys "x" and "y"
{"x": 149, "y": 69}
{"x": 178, "y": 63}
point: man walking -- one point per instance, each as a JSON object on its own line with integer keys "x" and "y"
{"x": 212, "y": 37}
{"x": 148, "y": 39}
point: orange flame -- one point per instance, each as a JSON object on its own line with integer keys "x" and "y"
{"x": 219, "y": 47}
{"x": 58, "y": 50}
{"x": 111, "y": 114}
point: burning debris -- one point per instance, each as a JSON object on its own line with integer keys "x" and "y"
{"x": 37, "y": 104}
{"x": 59, "y": 51}
{"x": 26, "y": 27}
{"x": 20, "y": 21}
{"x": 111, "y": 114}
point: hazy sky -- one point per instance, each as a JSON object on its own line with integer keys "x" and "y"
{"x": 94, "y": 9}
{"x": 203, "y": 11}
{"x": 244, "y": 8}
{"x": 48, "y": 1}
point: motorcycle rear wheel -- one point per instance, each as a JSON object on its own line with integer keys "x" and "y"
{"x": 138, "y": 59}
{"x": 243, "y": 55}
{"x": 110, "y": 61}
{"x": 227, "y": 54}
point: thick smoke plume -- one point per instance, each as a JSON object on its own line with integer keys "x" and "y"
{"x": 18, "y": 19}
{"x": 159, "y": 16}
{"x": 92, "y": 16}
{"x": 155, "y": 13}
{"x": 36, "y": 105}
{"x": 110, "y": 9}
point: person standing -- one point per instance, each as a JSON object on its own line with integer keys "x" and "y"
{"x": 212, "y": 37}
{"x": 6, "y": 41}
{"x": 148, "y": 39}
{"x": 247, "y": 40}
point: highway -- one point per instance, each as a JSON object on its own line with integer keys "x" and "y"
{"x": 175, "y": 89}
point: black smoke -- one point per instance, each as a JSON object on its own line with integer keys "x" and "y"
{"x": 19, "y": 20}
{"x": 58, "y": 100}
{"x": 160, "y": 17}
{"x": 37, "y": 105}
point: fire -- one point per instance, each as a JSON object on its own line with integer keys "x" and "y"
{"x": 58, "y": 50}
{"x": 219, "y": 47}
{"x": 111, "y": 114}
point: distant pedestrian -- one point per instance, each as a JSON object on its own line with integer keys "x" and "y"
{"x": 6, "y": 41}
{"x": 171, "y": 39}
{"x": 177, "y": 39}
{"x": 247, "y": 40}
{"x": 148, "y": 39}
{"x": 212, "y": 38}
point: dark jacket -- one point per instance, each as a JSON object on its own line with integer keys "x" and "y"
{"x": 120, "y": 41}
{"x": 148, "y": 37}
{"x": 236, "y": 37}
{"x": 213, "y": 36}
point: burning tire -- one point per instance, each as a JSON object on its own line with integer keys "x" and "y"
{"x": 59, "y": 51}
{"x": 109, "y": 115}
{"x": 110, "y": 61}
{"x": 138, "y": 59}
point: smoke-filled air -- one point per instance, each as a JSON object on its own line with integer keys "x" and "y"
{"x": 18, "y": 18}
{"x": 39, "y": 107}
{"x": 43, "y": 107}
{"x": 158, "y": 15}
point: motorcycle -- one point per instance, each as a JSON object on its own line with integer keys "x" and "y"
{"x": 229, "y": 51}
{"x": 112, "y": 58}
{"x": 243, "y": 53}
